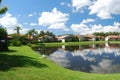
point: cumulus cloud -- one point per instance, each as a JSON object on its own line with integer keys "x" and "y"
{"x": 8, "y": 20}
{"x": 31, "y": 14}
{"x": 88, "y": 20}
{"x": 78, "y": 5}
{"x": 82, "y": 28}
{"x": 54, "y": 19}
{"x": 104, "y": 8}
{"x": 65, "y": 4}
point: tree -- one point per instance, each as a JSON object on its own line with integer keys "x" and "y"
{"x": 47, "y": 36}
{"x": 42, "y": 33}
{"x": 18, "y": 29}
{"x": 3, "y": 9}
{"x": 100, "y": 35}
{"x": 3, "y": 32}
{"x": 3, "y": 39}
{"x": 32, "y": 35}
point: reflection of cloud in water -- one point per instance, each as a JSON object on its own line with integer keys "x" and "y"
{"x": 59, "y": 56}
{"x": 101, "y": 60}
{"x": 98, "y": 51}
{"x": 105, "y": 66}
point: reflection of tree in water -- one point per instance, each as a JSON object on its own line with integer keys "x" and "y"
{"x": 114, "y": 45}
{"x": 100, "y": 45}
{"x": 48, "y": 50}
{"x": 71, "y": 48}
{"x": 45, "y": 50}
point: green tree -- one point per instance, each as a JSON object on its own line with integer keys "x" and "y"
{"x": 47, "y": 36}
{"x": 3, "y": 39}
{"x": 100, "y": 35}
{"x": 3, "y": 9}
{"x": 32, "y": 35}
{"x": 42, "y": 33}
{"x": 3, "y": 32}
{"x": 17, "y": 28}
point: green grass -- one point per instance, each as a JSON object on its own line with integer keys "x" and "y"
{"x": 22, "y": 63}
{"x": 52, "y": 44}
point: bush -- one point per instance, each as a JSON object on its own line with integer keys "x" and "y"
{"x": 23, "y": 40}
{"x": 16, "y": 43}
{"x": 3, "y": 39}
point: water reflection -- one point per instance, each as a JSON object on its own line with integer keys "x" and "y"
{"x": 100, "y": 58}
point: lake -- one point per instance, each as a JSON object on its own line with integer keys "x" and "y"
{"x": 94, "y": 58}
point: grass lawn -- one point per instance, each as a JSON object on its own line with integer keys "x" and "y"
{"x": 22, "y": 63}
{"x": 67, "y": 43}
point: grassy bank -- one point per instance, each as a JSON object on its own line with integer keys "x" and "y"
{"x": 22, "y": 63}
{"x": 67, "y": 43}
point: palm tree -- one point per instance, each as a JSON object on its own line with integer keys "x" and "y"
{"x": 32, "y": 34}
{"x": 18, "y": 30}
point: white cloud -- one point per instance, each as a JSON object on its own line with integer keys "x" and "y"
{"x": 11, "y": 31}
{"x": 104, "y": 8}
{"x": 85, "y": 29}
{"x": 58, "y": 26}
{"x": 33, "y": 24}
{"x": 104, "y": 15}
{"x": 62, "y": 3}
{"x": 54, "y": 19}
{"x": 88, "y": 20}
{"x": 24, "y": 30}
{"x": 25, "y": 23}
{"x": 117, "y": 24}
{"x": 78, "y": 5}
{"x": 30, "y": 15}
{"x": 8, "y": 21}
{"x": 65, "y": 4}
{"x": 80, "y": 28}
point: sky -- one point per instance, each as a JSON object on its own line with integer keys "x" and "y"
{"x": 62, "y": 16}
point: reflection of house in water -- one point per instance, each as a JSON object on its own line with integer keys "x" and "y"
{"x": 111, "y": 45}
{"x": 63, "y": 46}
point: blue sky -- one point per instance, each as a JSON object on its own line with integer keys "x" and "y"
{"x": 62, "y": 16}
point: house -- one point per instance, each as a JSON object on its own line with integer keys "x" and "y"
{"x": 62, "y": 38}
{"x": 88, "y": 37}
{"x": 112, "y": 37}
{"x": 80, "y": 37}
{"x": 91, "y": 37}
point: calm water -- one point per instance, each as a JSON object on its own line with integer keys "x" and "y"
{"x": 100, "y": 58}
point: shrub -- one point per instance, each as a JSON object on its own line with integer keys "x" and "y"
{"x": 23, "y": 40}
{"x": 16, "y": 43}
{"x": 3, "y": 39}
